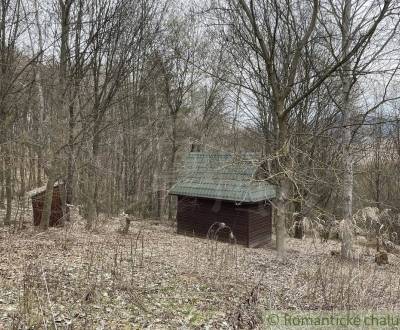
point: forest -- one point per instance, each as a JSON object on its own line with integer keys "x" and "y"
{"x": 107, "y": 99}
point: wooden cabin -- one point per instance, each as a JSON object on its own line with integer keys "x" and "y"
{"x": 59, "y": 209}
{"x": 221, "y": 188}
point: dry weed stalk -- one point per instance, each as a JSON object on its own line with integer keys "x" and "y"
{"x": 223, "y": 257}
{"x": 35, "y": 305}
{"x": 247, "y": 314}
{"x": 338, "y": 285}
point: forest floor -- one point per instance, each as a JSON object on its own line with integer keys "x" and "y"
{"x": 69, "y": 278}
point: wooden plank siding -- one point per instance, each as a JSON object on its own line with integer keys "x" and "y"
{"x": 56, "y": 208}
{"x": 250, "y": 223}
{"x": 260, "y": 225}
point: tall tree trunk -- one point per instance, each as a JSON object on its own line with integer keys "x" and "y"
{"x": 347, "y": 228}
{"x": 172, "y": 199}
{"x": 5, "y": 58}
{"x": 8, "y": 183}
{"x": 77, "y": 75}
{"x": 92, "y": 183}
{"x": 48, "y": 198}
{"x": 38, "y": 82}
{"x": 156, "y": 189}
{"x": 39, "y": 181}
{"x": 281, "y": 213}
{"x": 91, "y": 202}
{"x": 235, "y": 118}
{"x": 378, "y": 165}
{"x": 22, "y": 173}
{"x": 284, "y": 184}
{"x": 125, "y": 164}
{"x": 70, "y": 162}
{"x": 298, "y": 221}
{"x": 2, "y": 185}
{"x": 32, "y": 171}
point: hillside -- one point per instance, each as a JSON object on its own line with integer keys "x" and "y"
{"x": 68, "y": 278}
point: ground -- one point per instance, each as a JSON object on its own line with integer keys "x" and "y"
{"x": 69, "y": 278}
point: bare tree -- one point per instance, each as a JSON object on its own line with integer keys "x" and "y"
{"x": 350, "y": 21}
{"x": 179, "y": 76}
{"x": 12, "y": 68}
{"x": 115, "y": 39}
{"x": 272, "y": 37}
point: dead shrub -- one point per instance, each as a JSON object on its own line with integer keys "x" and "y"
{"x": 340, "y": 285}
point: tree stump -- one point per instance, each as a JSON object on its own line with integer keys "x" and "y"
{"x": 381, "y": 258}
{"x": 128, "y": 220}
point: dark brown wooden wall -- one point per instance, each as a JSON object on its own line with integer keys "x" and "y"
{"x": 260, "y": 225}
{"x": 251, "y": 223}
{"x": 56, "y": 209}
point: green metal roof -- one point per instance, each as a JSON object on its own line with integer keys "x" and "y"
{"x": 222, "y": 176}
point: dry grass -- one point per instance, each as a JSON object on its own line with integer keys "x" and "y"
{"x": 67, "y": 278}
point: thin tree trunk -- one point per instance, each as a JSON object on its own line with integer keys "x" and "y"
{"x": 284, "y": 185}
{"x": 38, "y": 82}
{"x": 92, "y": 184}
{"x": 46, "y": 213}
{"x": 63, "y": 198}
{"x": 156, "y": 181}
{"x": 172, "y": 199}
{"x": 298, "y": 221}
{"x": 71, "y": 110}
{"x": 235, "y": 118}
{"x": 70, "y": 162}
{"x": 125, "y": 164}
{"x": 347, "y": 228}
{"x": 91, "y": 205}
{"x": 378, "y": 166}
{"x": 4, "y": 118}
{"x": 8, "y": 183}
{"x": 2, "y": 185}
{"x": 32, "y": 172}
{"x": 281, "y": 213}
{"x": 22, "y": 174}
{"x": 39, "y": 181}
